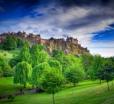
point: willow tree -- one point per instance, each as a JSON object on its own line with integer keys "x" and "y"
{"x": 22, "y": 73}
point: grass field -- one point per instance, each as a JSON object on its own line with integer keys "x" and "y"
{"x": 87, "y": 92}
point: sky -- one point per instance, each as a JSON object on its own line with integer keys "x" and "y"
{"x": 90, "y": 21}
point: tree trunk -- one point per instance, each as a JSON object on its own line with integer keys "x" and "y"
{"x": 100, "y": 81}
{"x": 53, "y": 97}
{"x": 108, "y": 86}
{"x": 74, "y": 84}
{"x": 24, "y": 85}
{"x": 112, "y": 82}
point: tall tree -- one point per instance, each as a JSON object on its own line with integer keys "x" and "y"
{"x": 25, "y": 54}
{"x": 95, "y": 66}
{"x": 38, "y": 55}
{"x": 52, "y": 80}
{"x": 23, "y": 72}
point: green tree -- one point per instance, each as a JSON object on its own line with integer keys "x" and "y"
{"x": 14, "y": 61}
{"x": 23, "y": 71}
{"x": 107, "y": 72}
{"x": 95, "y": 67}
{"x": 24, "y": 54}
{"x": 55, "y": 64}
{"x": 58, "y": 55}
{"x": 10, "y": 43}
{"x": 20, "y": 42}
{"x": 51, "y": 82}
{"x": 5, "y": 69}
{"x": 74, "y": 75}
{"x": 38, "y": 55}
{"x": 87, "y": 60}
{"x": 37, "y": 72}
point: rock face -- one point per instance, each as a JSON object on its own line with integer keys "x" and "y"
{"x": 70, "y": 45}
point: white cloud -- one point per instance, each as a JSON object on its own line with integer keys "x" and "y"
{"x": 79, "y": 22}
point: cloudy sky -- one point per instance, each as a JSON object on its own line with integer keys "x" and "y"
{"x": 91, "y": 21}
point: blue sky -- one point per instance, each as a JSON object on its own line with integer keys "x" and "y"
{"x": 92, "y": 22}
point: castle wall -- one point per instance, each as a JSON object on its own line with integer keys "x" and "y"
{"x": 70, "y": 45}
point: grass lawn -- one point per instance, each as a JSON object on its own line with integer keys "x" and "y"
{"x": 87, "y": 92}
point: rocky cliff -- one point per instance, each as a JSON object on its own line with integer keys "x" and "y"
{"x": 70, "y": 45}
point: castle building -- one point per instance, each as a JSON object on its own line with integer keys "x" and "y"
{"x": 69, "y": 46}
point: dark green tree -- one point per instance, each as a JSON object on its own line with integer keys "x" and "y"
{"x": 74, "y": 75}
{"x": 95, "y": 67}
{"x": 107, "y": 73}
{"x": 10, "y": 43}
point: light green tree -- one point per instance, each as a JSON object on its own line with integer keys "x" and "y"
{"x": 37, "y": 72}
{"x": 24, "y": 54}
{"x": 55, "y": 64}
{"x": 51, "y": 82}
{"x": 38, "y": 55}
{"x": 23, "y": 71}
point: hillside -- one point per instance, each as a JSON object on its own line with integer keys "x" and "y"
{"x": 87, "y": 92}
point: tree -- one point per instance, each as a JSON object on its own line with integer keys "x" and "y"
{"x": 74, "y": 75}
{"x": 55, "y": 64}
{"x": 2, "y": 64}
{"x": 87, "y": 60}
{"x": 20, "y": 42}
{"x": 58, "y": 55}
{"x": 51, "y": 82}
{"x": 38, "y": 55}
{"x": 14, "y": 61}
{"x": 107, "y": 73}
{"x": 22, "y": 73}
{"x": 24, "y": 54}
{"x": 95, "y": 67}
{"x": 37, "y": 72}
{"x": 5, "y": 69}
{"x": 10, "y": 43}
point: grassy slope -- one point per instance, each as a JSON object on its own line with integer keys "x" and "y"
{"x": 87, "y": 92}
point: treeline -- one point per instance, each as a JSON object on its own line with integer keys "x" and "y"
{"x": 12, "y": 42}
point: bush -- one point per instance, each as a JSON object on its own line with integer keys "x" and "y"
{"x": 7, "y": 71}
{"x": 11, "y": 98}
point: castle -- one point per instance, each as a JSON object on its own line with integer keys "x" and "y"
{"x": 70, "y": 45}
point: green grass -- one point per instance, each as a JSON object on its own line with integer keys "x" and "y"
{"x": 7, "y": 87}
{"x": 87, "y": 92}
